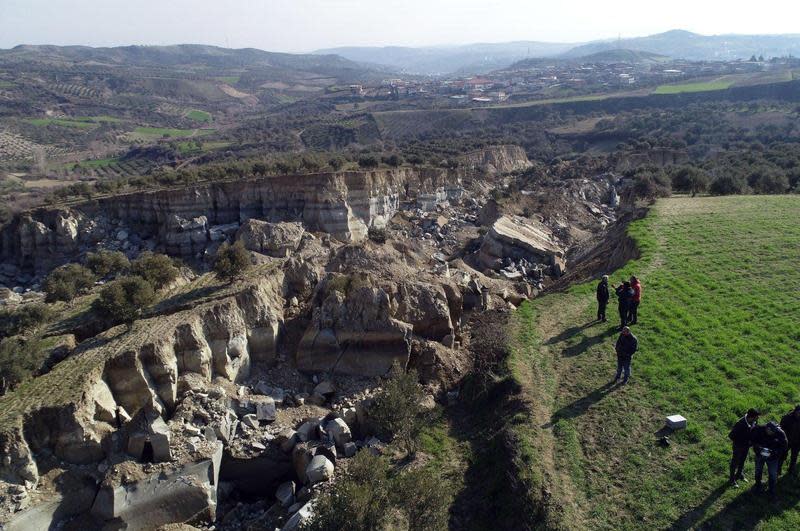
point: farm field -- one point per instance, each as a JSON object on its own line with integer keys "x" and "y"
{"x": 718, "y": 334}
{"x": 698, "y": 86}
{"x": 151, "y": 133}
{"x": 198, "y": 115}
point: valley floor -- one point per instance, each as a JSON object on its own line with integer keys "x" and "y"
{"x": 718, "y": 334}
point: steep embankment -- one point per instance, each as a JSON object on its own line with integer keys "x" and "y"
{"x": 186, "y": 220}
{"x": 718, "y": 334}
{"x": 72, "y": 410}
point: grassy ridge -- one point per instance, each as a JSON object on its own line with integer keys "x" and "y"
{"x": 698, "y": 86}
{"x": 718, "y": 334}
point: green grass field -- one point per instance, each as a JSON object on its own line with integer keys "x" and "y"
{"x": 189, "y": 147}
{"x": 6, "y": 84}
{"x": 63, "y": 122}
{"x": 718, "y": 334}
{"x": 162, "y": 132}
{"x": 698, "y": 86}
{"x": 78, "y": 122}
{"x": 199, "y": 116}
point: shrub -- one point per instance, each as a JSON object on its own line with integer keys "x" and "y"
{"x": 728, "y": 185}
{"x": 394, "y": 160}
{"x": 122, "y": 301}
{"x": 359, "y": 500}
{"x": 231, "y": 261}
{"x": 107, "y": 263}
{"x": 369, "y": 496}
{"x": 771, "y": 183}
{"x": 368, "y": 161}
{"x": 20, "y": 358}
{"x": 689, "y": 179}
{"x": 397, "y": 409}
{"x": 24, "y": 319}
{"x": 66, "y": 282}
{"x": 157, "y": 269}
{"x": 649, "y": 185}
{"x": 423, "y": 497}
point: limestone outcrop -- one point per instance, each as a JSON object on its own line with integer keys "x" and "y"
{"x": 495, "y": 160}
{"x": 352, "y": 330}
{"x": 515, "y": 238}
{"x": 274, "y": 239}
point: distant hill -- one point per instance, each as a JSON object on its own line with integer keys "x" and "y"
{"x": 624, "y": 56}
{"x": 610, "y": 56}
{"x": 470, "y": 58}
{"x": 682, "y": 44}
{"x": 190, "y": 56}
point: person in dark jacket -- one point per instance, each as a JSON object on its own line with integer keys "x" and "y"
{"x": 769, "y": 445}
{"x": 740, "y": 437}
{"x": 602, "y": 298}
{"x": 626, "y": 346}
{"x": 633, "y": 307}
{"x": 624, "y": 294}
{"x": 790, "y": 424}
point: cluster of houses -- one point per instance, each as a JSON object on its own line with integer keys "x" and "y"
{"x": 541, "y": 78}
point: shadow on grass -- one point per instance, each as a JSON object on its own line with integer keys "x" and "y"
{"x": 582, "y": 405}
{"x": 494, "y": 494}
{"x": 185, "y": 301}
{"x": 587, "y": 343}
{"x": 570, "y": 332}
{"x": 745, "y": 511}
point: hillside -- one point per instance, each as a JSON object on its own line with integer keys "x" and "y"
{"x": 470, "y": 58}
{"x": 622, "y": 55}
{"x": 717, "y": 336}
{"x": 192, "y": 56}
{"x": 687, "y": 45}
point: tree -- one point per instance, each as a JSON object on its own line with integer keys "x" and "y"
{"x": 690, "y": 179}
{"x": 157, "y": 269}
{"x": 397, "y": 409}
{"x": 368, "y": 161}
{"x": 231, "y": 261}
{"x": 66, "y": 282}
{"x": 394, "y": 160}
{"x": 105, "y": 263}
{"x": 122, "y": 301}
{"x": 728, "y": 185}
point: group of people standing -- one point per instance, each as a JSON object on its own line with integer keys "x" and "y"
{"x": 629, "y": 295}
{"x": 771, "y": 443}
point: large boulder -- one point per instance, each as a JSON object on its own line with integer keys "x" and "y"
{"x": 274, "y": 239}
{"x": 425, "y": 306}
{"x": 352, "y": 330}
{"x": 185, "y": 237}
{"x": 516, "y": 238}
{"x": 319, "y": 469}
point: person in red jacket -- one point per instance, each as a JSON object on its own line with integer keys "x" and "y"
{"x": 633, "y": 307}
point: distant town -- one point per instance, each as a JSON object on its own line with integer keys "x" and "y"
{"x": 544, "y": 79}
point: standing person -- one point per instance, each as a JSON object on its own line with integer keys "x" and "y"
{"x": 602, "y": 298}
{"x": 769, "y": 445}
{"x": 633, "y": 310}
{"x": 626, "y": 346}
{"x": 740, "y": 436}
{"x": 624, "y": 294}
{"x": 790, "y": 424}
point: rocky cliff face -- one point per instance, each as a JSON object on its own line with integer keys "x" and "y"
{"x": 496, "y": 160}
{"x": 186, "y": 221}
{"x": 119, "y": 375}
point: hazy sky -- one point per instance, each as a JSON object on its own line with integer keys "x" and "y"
{"x": 305, "y": 25}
